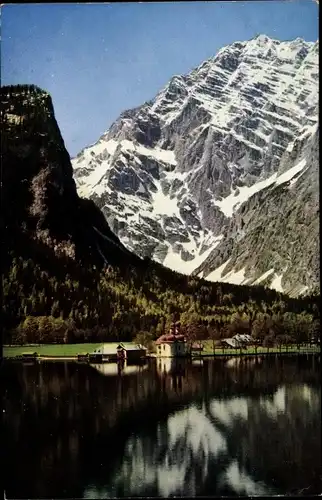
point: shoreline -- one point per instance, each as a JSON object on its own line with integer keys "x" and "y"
{"x": 148, "y": 357}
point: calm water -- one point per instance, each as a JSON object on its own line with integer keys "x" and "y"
{"x": 219, "y": 427}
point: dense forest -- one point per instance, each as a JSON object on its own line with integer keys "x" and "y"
{"x": 67, "y": 303}
{"x": 63, "y": 281}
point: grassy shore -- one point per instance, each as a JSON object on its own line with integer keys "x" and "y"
{"x": 208, "y": 350}
{"x": 72, "y": 350}
{"x": 65, "y": 350}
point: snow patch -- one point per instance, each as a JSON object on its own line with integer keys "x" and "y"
{"x": 235, "y": 277}
{"x": 216, "y": 274}
{"x": 176, "y": 263}
{"x": 141, "y": 189}
{"x": 94, "y": 178}
{"x": 164, "y": 155}
{"x": 263, "y": 276}
{"x": 230, "y": 204}
{"x": 164, "y": 205}
{"x": 95, "y": 150}
{"x": 241, "y": 138}
{"x": 287, "y": 176}
{"x": 276, "y": 284}
{"x": 290, "y": 147}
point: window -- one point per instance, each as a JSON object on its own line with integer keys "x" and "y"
{"x": 163, "y": 347}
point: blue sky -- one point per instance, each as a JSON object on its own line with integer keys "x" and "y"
{"x": 97, "y": 60}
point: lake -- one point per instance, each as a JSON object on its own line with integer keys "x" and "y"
{"x": 239, "y": 426}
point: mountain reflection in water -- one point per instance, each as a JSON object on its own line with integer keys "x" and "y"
{"x": 166, "y": 428}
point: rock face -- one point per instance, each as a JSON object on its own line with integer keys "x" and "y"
{"x": 273, "y": 239}
{"x": 40, "y": 204}
{"x": 221, "y": 165}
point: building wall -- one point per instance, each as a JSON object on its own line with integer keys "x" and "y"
{"x": 135, "y": 355}
{"x": 171, "y": 350}
{"x": 111, "y": 351}
{"x": 180, "y": 349}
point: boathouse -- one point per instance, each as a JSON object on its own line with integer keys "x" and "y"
{"x": 127, "y": 351}
{"x": 172, "y": 344}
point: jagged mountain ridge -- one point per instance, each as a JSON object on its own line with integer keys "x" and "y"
{"x": 174, "y": 175}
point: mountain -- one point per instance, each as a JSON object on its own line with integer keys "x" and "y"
{"x": 54, "y": 244}
{"x": 39, "y": 197}
{"x": 218, "y": 174}
{"x": 67, "y": 278}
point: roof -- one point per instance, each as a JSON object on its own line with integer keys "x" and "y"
{"x": 169, "y": 338}
{"x": 243, "y": 338}
{"x": 197, "y": 346}
{"x": 134, "y": 347}
{"x": 238, "y": 339}
{"x": 111, "y": 347}
{"x": 231, "y": 342}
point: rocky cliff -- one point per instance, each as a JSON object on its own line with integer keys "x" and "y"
{"x": 273, "y": 239}
{"x": 222, "y": 165}
{"x": 40, "y": 204}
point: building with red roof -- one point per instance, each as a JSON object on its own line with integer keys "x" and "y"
{"x": 172, "y": 344}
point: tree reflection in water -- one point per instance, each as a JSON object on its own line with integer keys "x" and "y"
{"x": 242, "y": 427}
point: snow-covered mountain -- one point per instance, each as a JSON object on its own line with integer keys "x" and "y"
{"x": 218, "y": 175}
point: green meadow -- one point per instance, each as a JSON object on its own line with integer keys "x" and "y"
{"x": 66, "y": 350}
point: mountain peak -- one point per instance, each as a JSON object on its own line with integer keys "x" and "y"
{"x": 177, "y": 173}
{"x": 261, "y": 38}
{"x": 39, "y": 193}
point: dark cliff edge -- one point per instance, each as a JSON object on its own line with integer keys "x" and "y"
{"x": 66, "y": 276}
{"x": 39, "y": 197}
